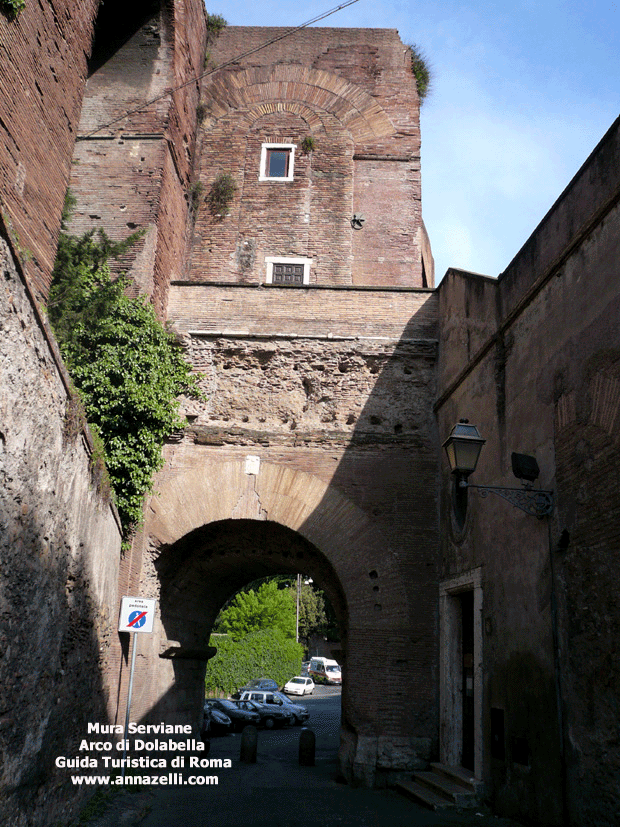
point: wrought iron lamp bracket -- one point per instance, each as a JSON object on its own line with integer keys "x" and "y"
{"x": 533, "y": 501}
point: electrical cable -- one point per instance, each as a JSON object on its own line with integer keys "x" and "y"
{"x": 236, "y": 59}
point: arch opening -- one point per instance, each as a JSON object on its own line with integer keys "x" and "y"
{"x": 206, "y": 567}
{"x": 199, "y": 573}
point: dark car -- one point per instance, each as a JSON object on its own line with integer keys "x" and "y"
{"x": 239, "y": 717}
{"x": 299, "y": 711}
{"x": 271, "y": 715}
{"x": 259, "y": 683}
{"x": 215, "y": 722}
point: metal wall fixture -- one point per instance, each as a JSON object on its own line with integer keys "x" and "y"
{"x": 463, "y": 448}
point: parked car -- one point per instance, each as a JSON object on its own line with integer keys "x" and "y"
{"x": 215, "y": 721}
{"x": 304, "y": 668}
{"x": 300, "y": 712}
{"x": 273, "y": 711}
{"x": 238, "y": 717}
{"x": 258, "y": 683}
{"x": 299, "y": 685}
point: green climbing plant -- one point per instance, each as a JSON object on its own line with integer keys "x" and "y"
{"x": 12, "y": 8}
{"x": 126, "y": 366}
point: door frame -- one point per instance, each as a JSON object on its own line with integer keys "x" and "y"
{"x": 451, "y": 670}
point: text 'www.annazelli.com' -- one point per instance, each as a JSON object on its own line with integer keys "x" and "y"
{"x": 169, "y": 780}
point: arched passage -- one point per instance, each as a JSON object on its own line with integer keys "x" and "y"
{"x": 200, "y": 572}
{"x": 215, "y": 524}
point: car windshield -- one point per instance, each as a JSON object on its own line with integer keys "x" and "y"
{"x": 297, "y": 680}
{"x": 332, "y": 668}
{"x": 227, "y": 704}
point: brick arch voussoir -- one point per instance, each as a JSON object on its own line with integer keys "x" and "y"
{"x": 316, "y": 89}
{"x": 316, "y": 121}
{"x": 340, "y": 530}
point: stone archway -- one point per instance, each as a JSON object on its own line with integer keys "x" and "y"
{"x": 217, "y": 523}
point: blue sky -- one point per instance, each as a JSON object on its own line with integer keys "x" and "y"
{"x": 522, "y": 94}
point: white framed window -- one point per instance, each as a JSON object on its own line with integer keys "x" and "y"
{"x": 287, "y": 270}
{"x": 277, "y": 162}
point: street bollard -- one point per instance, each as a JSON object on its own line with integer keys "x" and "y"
{"x": 249, "y": 743}
{"x": 307, "y": 743}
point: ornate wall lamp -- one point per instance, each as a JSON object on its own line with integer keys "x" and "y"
{"x": 463, "y": 448}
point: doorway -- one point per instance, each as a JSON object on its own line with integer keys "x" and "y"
{"x": 460, "y": 607}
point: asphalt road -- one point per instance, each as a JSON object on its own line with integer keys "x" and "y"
{"x": 276, "y": 791}
{"x": 283, "y": 744}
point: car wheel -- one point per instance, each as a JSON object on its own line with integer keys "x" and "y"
{"x": 269, "y": 723}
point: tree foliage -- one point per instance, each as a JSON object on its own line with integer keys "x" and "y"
{"x": 312, "y": 616}
{"x": 265, "y": 653}
{"x": 251, "y": 611}
{"x": 124, "y": 363}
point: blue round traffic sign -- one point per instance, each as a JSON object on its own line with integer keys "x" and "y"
{"x": 137, "y": 619}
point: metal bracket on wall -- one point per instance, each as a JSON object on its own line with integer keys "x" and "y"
{"x": 536, "y": 502}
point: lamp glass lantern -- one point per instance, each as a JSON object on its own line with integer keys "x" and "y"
{"x": 463, "y": 448}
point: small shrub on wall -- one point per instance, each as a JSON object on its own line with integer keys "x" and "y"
{"x": 268, "y": 653}
{"x": 421, "y": 71}
{"x": 221, "y": 194}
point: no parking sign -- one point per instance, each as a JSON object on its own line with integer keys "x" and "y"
{"x": 137, "y": 614}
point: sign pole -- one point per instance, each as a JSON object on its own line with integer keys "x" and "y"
{"x": 137, "y": 615}
{"x": 132, "y": 640}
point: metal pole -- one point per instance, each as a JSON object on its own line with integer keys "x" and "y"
{"x": 133, "y": 663}
{"x": 297, "y": 617}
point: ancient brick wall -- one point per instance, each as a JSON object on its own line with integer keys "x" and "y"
{"x": 133, "y": 158}
{"x": 328, "y": 386}
{"x": 352, "y": 93}
{"x": 544, "y": 381}
{"x": 42, "y": 74}
{"x": 59, "y": 551}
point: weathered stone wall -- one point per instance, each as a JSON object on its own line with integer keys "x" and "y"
{"x": 544, "y": 381}
{"x": 60, "y": 539}
{"x": 331, "y": 388}
{"x": 59, "y": 551}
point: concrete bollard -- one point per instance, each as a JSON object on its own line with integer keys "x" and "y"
{"x": 307, "y": 744}
{"x": 249, "y": 744}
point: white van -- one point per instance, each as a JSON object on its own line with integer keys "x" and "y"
{"x": 324, "y": 670}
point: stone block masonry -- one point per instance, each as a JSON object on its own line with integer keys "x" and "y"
{"x": 59, "y": 553}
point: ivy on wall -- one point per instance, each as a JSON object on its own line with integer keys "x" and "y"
{"x": 125, "y": 364}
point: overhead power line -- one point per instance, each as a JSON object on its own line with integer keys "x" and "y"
{"x": 233, "y": 60}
